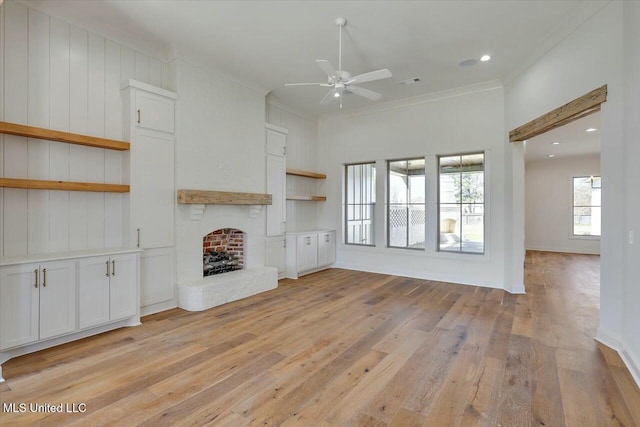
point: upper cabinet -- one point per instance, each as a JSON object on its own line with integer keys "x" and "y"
{"x": 149, "y": 123}
{"x": 155, "y": 112}
{"x": 276, "y": 148}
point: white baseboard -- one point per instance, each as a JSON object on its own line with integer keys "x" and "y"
{"x": 517, "y": 289}
{"x": 562, "y": 250}
{"x": 631, "y": 361}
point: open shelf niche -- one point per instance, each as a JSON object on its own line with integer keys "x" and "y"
{"x": 69, "y": 138}
{"x": 306, "y": 174}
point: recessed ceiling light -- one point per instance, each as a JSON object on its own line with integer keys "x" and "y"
{"x": 591, "y": 130}
{"x": 485, "y": 58}
{"x": 551, "y": 155}
{"x": 555, "y": 143}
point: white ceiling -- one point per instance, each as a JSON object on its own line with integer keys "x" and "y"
{"x": 573, "y": 139}
{"x": 269, "y": 43}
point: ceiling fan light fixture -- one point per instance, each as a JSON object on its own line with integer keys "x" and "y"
{"x": 485, "y": 58}
{"x": 336, "y": 95}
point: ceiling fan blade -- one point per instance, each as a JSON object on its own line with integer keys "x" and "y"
{"x": 307, "y": 84}
{"x": 327, "y": 67}
{"x": 369, "y": 94}
{"x": 371, "y": 76}
{"x": 328, "y": 97}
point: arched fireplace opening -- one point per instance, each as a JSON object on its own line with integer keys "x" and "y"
{"x": 222, "y": 251}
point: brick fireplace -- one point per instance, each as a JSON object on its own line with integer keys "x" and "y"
{"x": 222, "y": 251}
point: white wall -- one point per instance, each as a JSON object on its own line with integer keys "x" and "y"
{"x": 458, "y": 121}
{"x": 548, "y": 204}
{"x": 220, "y": 145}
{"x": 604, "y": 50}
{"x": 55, "y": 75}
{"x": 301, "y": 154}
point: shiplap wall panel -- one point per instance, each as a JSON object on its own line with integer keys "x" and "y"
{"x": 142, "y": 67}
{"x": 15, "y": 155}
{"x": 155, "y": 72}
{"x": 1, "y": 135}
{"x": 58, "y": 76}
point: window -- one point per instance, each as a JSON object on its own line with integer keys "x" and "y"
{"x": 461, "y": 203}
{"x": 360, "y": 200}
{"x": 406, "y": 207}
{"x": 586, "y": 205}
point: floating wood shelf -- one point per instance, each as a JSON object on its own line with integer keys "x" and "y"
{"x": 203, "y": 197}
{"x": 307, "y": 198}
{"x": 306, "y": 174}
{"x": 35, "y": 184}
{"x": 55, "y": 135}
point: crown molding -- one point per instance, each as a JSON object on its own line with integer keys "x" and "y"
{"x": 416, "y": 100}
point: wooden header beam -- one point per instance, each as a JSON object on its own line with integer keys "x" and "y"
{"x": 574, "y": 110}
{"x": 55, "y": 135}
{"x": 203, "y": 197}
{"x": 35, "y": 184}
{"x": 307, "y": 198}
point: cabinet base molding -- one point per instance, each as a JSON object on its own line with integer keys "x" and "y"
{"x": 41, "y": 345}
{"x": 157, "y": 308}
{"x": 295, "y": 276}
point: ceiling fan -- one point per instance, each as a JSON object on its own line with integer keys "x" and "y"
{"x": 341, "y": 82}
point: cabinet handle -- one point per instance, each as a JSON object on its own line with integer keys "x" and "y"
{"x": 326, "y": 238}
{"x": 107, "y": 268}
{"x": 44, "y": 280}
{"x": 35, "y": 285}
{"x": 138, "y": 231}
{"x": 113, "y": 269}
{"x": 284, "y": 150}
{"x": 138, "y": 115}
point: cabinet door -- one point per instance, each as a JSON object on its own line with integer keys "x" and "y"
{"x": 19, "y": 290}
{"x": 326, "y": 248}
{"x": 276, "y": 253}
{"x": 93, "y": 291}
{"x": 152, "y": 194}
{"x": 57, "y": 298}
{"x": 154, "y": 112}
{"x": 276, "y": 143}
{"x": 307, "y": 247}
{"x": 156, "y": 276}
{"x": 276, "y": 186}
{"x": 123, "y": 290}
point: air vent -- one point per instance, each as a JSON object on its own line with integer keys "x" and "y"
{"x": 409, "y": 81}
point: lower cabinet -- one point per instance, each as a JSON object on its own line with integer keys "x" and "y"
{"x": 276, "y": 247}
{"x": 310, "y": 251}
{"x": 46, "y": 302}
{"x": 105, "y": 290}
{"x": 37, "y": 301}
{"x": 157, "y": 280}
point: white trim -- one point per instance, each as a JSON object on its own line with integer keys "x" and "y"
{"x": 421, "y": 275}
{"x": 517, "y": 289}
{"x": 276, "y": 128}
{"x": 416, "y": 100}
{"x": 561, "y": 250}
{"x": 150, "y": 88}
{"x": 58, "y": 256}
{"x": 631, "y": 361}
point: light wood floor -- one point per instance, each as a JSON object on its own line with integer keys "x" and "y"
{"x": 343, "y": 348}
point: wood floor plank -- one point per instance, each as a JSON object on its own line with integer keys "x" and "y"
{"x": 339, "y": 348}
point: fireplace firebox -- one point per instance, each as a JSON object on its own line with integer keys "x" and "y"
{"x": 222, "y": 251}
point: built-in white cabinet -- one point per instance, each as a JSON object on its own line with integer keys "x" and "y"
{"x": 326, "y": 247}
{"x": 37, "y": 301}
{"x": 105, "y": 291}
{"x": 149, "y": 125}
{"x": 309, "y": 251}
{"x": 50, "y": 299}
{"x": 276, "y": 247}
{"x": 276, "y": 149}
